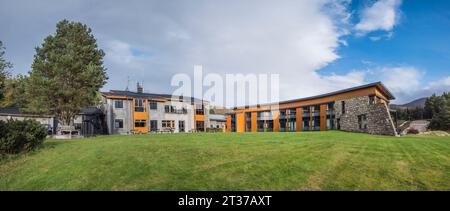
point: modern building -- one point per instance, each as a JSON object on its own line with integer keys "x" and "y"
{"x": 359, "y": 109}
{"x": 140, "y": 112}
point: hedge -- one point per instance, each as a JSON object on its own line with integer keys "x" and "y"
{"x": 21, "y": 136}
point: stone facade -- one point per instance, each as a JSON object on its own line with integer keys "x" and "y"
{"x": 358, "y": 109}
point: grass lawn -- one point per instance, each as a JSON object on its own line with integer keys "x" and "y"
{"x": 229, "y": 161}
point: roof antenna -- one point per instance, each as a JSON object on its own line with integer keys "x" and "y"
{"x": 128, "y": 83}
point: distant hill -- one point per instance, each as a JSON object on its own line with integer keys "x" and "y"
{"x": 420, "y": 103}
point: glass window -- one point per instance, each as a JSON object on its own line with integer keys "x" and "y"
{"x": 118, "y": 123}
{"x": 139, "y": 105}
{"x": 200, "y": 125}
{"x": 153, "y": 105}
{"x": 168, "y": 123}
{"x": 181, "y": 126}
{"x": 248, "y": 122}
{"x": 118, "y": 103}
{"x": 153, "y": 125}
{"x": 343, "y": 107}
{"x": 362, "y": 122}
{"x": 139, "y": 123}
{"x": 199, "y": 109}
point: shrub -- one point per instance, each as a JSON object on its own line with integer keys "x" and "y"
{"x": 412, "y": 131}
{"x": 21, "y": 136}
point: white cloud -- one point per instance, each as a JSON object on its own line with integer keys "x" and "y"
{"x": 439, "y": 86}
{"x": 403, "y": 80}
{"x": 351, "y": 79}
{"x": 382, "y": 15}
{"x": 292, "y": 38}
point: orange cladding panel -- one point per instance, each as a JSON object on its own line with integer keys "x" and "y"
{"x": 254, "y": 121}
{"x": 299, "y": 123}
{"x": 240, "y": 122}
{"x": 323, "y": 116}
{"x": 228, "y": 129}
{"x": 276, "y": 120}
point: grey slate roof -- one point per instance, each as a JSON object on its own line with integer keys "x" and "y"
{"x": 144, "y": 95}
{"x": 378, "y": 84}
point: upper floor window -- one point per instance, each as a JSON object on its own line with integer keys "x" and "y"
{"x": 118, "y": 103}
{"x": 153, "y": 105}
{"x": 343, "y": 107}
{"x": 139, "y": 105}
{"x": 199, "y": 110}
{"x": 372, "y": 99}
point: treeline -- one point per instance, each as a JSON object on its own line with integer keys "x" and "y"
{"x": 436, "y": 109}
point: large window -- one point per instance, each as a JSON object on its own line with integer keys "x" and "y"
{"x": 316, "y": 117}
{"x": 140, "y": 123}
{"x": 199, "y": 109}
{"x": 248, "y": 122}
{"x": 168, "y": 123}
{"x": 200, "y": 125}
{"x": 288, "y": 120}
{"x": 181, "y": 127}
{"x": 139, "y": 105}
{"x": 233, "y": 123}
{"x": 118, "y": 123}
{"x": 330, "y": 116}
{"x": 265, "y": 121}
{"x": 153, "y": 125}
{"x": 153, "y": 105}
{"x": 118, "y": 103}
{"x": 362, "y": 122}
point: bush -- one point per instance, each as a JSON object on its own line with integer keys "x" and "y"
{"x": 21, "y": 136}
{"x": 412, "y": 131}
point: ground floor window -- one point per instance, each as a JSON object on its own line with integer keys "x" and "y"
{"x": 168, "y": 123}
{"x": 140, "y": 123}
{"x": 248, "y": 122}
{"x": 153, "y": 125}
{"x": 118, "y": 123}
{"x": 362, "y": 122}
{"x": 233, "y": 123}
{"x": 200, "y": 125}
{"x": 181, "y": 127}
{"x": 305, "y": 125}
{"x": 292, "y": 125}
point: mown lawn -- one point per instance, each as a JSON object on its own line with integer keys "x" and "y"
{"x": 248, "y": 161}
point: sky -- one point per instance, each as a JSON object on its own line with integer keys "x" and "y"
{"x": 316, "y": 46}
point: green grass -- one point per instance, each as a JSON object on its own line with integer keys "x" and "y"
{"x": 230, "y": 161}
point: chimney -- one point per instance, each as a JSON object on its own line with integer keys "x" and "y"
{"x": 140, "y": 88}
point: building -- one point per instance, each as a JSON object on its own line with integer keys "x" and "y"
{"x": 140, "y": 112}
{"x": 218, "y": 121}
{"x": 359, "y": 109}
{"x": 89, "y": 122}
{"x": 15, "y": 113}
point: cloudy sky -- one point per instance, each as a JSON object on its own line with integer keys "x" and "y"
{"x": 316, "y": 46}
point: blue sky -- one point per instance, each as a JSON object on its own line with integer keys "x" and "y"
{"x": 315, "y": 46}
{"x": 420, "y": 39}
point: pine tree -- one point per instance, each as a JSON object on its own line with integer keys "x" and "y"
{"x": 4, "y": 67}
{"x": 14, "y": 92}
{"x": 67, "y": 72}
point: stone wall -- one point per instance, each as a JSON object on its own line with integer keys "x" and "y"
{"x": 378, "y": 118}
